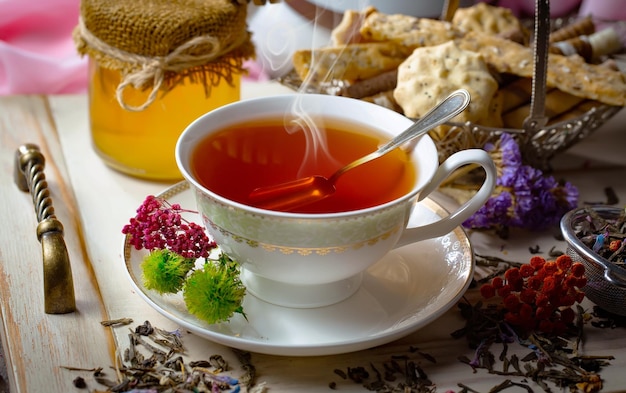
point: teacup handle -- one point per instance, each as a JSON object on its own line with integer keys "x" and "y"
{"x": 448, "y": 223}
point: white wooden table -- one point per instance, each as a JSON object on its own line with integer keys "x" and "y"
{"x": 94, "y": 202}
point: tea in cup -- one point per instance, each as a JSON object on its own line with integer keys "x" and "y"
{"x": 315, "y": 255}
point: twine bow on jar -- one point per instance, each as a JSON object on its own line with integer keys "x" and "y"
{"x": 157, "y": 45}
{"x": 151, "y": 71}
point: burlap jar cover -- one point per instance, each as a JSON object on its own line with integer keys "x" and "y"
{"x": 159, "y": 44}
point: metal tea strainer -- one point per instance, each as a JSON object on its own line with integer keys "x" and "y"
{"x": 606, "y": 281}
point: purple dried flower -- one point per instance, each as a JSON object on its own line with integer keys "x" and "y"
{"x": 495, "y": 211}
{"x": 507, "y": 157}
{"x": 524, "y": 196}
{"x": 540, "y": 200}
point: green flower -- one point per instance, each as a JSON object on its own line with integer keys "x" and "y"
{"x": 165, "y": 271}
{"x": 215, "y": 292}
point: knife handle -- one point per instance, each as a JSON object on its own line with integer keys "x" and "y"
{"x": 29, "y": 176}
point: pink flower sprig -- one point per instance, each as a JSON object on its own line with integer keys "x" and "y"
{"x": 159, "y": 225}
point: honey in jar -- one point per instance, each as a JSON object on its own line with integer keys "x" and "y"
{"x": 141, "y": 143}
{"x": 155, "y": 66}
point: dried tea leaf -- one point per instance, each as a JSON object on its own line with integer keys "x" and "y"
{"x": 145, "y": 329}
{"x": 428, "y": 357}
{"x": 200, "y": 363}
{"x": 218, "y": 362}
{"x": 116, "y": 322}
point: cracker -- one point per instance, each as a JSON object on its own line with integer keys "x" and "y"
{"x": 408, "y": 30}
{"x": 568, "y": 73}
{"x": 347, "y": 31}
{"x": 348, "y": 62}
{"x": 488, "y": 19}
{"x": 432, "y": 73}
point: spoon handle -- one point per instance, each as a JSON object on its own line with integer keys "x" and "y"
{"x": 451, "y": 106}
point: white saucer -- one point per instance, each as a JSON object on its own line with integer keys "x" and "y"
{"x": 407, "y": 289}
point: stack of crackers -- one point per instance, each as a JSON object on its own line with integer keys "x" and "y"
{"x": 409, "y": 64}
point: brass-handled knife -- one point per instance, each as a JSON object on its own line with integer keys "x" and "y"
{"x": 57, "y": 273}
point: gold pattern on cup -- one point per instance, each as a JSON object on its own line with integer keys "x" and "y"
{"x": 304, "y": 251}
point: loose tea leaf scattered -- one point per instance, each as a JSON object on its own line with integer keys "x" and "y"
{"x": 554, "y": 253}
{"x": 80, "y": 383}
{"x": 399, "y": 374}
{"x": 153, "y": 362}
{"x": 116, "y": 322}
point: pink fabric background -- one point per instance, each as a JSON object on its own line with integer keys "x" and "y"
{"x": 37, "y": 54}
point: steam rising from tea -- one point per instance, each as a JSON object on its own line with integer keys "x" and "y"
{"x": 308, "y": 146}
{"x": 276, "y": 45}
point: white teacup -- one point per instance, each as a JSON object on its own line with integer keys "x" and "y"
{"x": 311, "y": 260}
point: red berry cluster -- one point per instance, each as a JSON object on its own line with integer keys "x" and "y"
{"x": 159, "y": 225}
{"x": 540, "y": 295}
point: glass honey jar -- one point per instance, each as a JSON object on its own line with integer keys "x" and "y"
{"x": 155, "y": 66}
